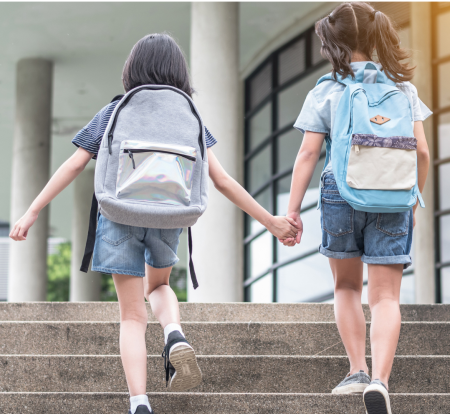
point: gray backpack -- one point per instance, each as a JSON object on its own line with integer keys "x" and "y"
{"x": 152, "y": 167}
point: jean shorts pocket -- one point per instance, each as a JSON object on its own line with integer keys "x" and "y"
{"x": 393, "y": 224}
{"x": 115, "y": 233}
{"x": 170, "y": 236}
{"x": 337, "y": 216}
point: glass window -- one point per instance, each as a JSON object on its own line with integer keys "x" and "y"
{"x": 444, "y": 135}
{"x": 288, "y": 146}
{"x": 261, "y": 291}
{"x": 445, "y": 238}
{"x": 443, "y": 36}
{"x": 291, "y": 61}
{"x": 445, "y": 284}
{"x": 260, "y": 255}
{"x": 316, "y": 46}
{"x": 291, "y": 100}
{"x": 259, "y": 169}
{"x": 444, "y": 187}
{"x": 260, "y": 125}
{"x": 283, "y": 191}
{"x": 444, "y": 84}
{"x": 306, "y": 280}
{"x": 253, "y": 225}
{"x": 261, "y": 85}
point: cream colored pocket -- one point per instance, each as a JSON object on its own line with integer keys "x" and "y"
{"x": 381, "y": 168}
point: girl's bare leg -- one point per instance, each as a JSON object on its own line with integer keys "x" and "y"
{"x": 384, "y": 298}
{"x": 133, "y": 324}
{"x": 348, "y": 284}
{"x": 162, "y": 298}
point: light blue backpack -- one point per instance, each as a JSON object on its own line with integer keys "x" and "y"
{"x": 374, "y": 151}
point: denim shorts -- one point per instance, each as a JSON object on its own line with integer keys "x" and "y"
{"x": 378, "y": 238}
{"x": 124, "y": 250}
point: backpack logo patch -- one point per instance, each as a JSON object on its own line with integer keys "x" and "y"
{"x": 380, "y": 120}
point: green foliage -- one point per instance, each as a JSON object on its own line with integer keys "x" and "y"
{"x": 108, "y": 293}
{"x": 59, "y": 273}
{"x": 178, "y": 283}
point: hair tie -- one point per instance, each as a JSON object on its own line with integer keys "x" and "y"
{"x": 331, "y": 19}
{"x": 372, "y": 15}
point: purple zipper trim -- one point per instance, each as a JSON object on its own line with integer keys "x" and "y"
{"x": 371, "y": 140}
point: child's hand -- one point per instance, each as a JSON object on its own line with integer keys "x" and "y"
{"x": 282, "y": 227}
{"x": 292, "y": 241}
{"x": 20, "y": 230}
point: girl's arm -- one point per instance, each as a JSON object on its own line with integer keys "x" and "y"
{"x": 423, "y": 158}
{"x": 280, "y": 227}
{"x": 304, "y": 166}
{"x": 60, "y": 180}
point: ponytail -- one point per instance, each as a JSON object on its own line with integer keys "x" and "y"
{"x": 357, "y": 27}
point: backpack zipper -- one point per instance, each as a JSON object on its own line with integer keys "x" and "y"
{"x": 137, "y": 151}
{"x": 113, "y": 126}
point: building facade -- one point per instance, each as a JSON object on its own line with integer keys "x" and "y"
{"x": 252, "y": 65}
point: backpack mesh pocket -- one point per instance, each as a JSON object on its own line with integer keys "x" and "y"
{"x": 155, "y": 173}
{"x": 377, "y": 163}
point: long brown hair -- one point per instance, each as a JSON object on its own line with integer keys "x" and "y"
{"x": 358, "y": 27}
{"x": 156, "y": 59}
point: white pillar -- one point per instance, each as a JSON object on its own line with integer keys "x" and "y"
{"x": 84, "y": 287}
{"x": 30, "y": 173}
{"x": 218, "y": 235}
{"x": 424, "y": 273}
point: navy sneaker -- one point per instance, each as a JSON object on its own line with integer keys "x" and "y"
{"x": 142, "y": 409}
{"x": 376, "y": 398}
{"x": 180, "y": 363}
{"x": 353, "y": 384}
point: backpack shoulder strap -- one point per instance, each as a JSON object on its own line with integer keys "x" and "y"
{"x": 117, "y": 98}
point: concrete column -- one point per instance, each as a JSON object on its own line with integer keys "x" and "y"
{"x": 424, "y": 232}
{"x": 218, "y": 235}
{"x": 30, "y": 173}
{"x": 84, "y": 287}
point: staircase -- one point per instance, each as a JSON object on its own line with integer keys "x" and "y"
{"x": 277, "y": 358}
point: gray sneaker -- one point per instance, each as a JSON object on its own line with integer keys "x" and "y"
{"x": 353, "y": 384}
{"x": 376, "y": 398}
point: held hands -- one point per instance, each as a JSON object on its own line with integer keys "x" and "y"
{"x": 283, "y": 227}
{"x": 20, "y": 230}
{"x": 292, "y": 241}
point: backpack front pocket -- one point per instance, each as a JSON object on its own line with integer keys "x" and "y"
{"x": 155, "y": 173}
{"x": 377, "y": 163}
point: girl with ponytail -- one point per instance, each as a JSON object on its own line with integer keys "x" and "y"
{"x": 353, "y": 35}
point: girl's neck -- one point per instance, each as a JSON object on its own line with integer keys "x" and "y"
{"x": 359, "y": 57}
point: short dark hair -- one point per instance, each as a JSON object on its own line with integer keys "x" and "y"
{"x": 358, "y": 27}
{"x": 156, "y": 59}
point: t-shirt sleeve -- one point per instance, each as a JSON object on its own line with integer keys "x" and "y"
{"x": 209, "y": 138}
{"x": 420, "y": 110}
{"x": 314, "y": 117}
{"x": 90, "y": 137}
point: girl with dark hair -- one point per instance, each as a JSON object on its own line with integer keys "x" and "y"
{"x": 350, "y": 36}
{"x": 141, "y": 262}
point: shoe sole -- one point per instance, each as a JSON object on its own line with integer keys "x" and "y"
{"x": 376, "y": 400}
{"x": 350, "y": 389}
{"x": 187, "y": 372}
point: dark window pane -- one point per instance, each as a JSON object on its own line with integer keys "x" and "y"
{"x": 445, "y": 284}
{"x": 444, "y": 186}
{"x": 444, "y": 85}
{"x": 259, "y": 252}
{"x": 288, "y": 146}
{"x": 261, "y": 291}
{"x": 444, "y": 136}
{"x": 316, "y": 46}
{"x": 260, "y": 85}
{"x": 253, "y": 225}
{"x": 260, "y": 125}
{"x": 443, "y": 21}
{"x": 259, "y": 169}
{"x": 291, "y": 100}
{"x": 291, "y": 61}
{"x": 306, "y": 280}
{"x": 445, "y": 238}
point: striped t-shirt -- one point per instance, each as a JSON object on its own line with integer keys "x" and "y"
{"x": 90, "y": 137}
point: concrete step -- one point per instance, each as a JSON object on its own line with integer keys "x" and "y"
{"x": 202, "y": 403}
{"x": 221, "y": 374}
{"x": 219, "y": 338}
{"x": 206, "y": 312}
